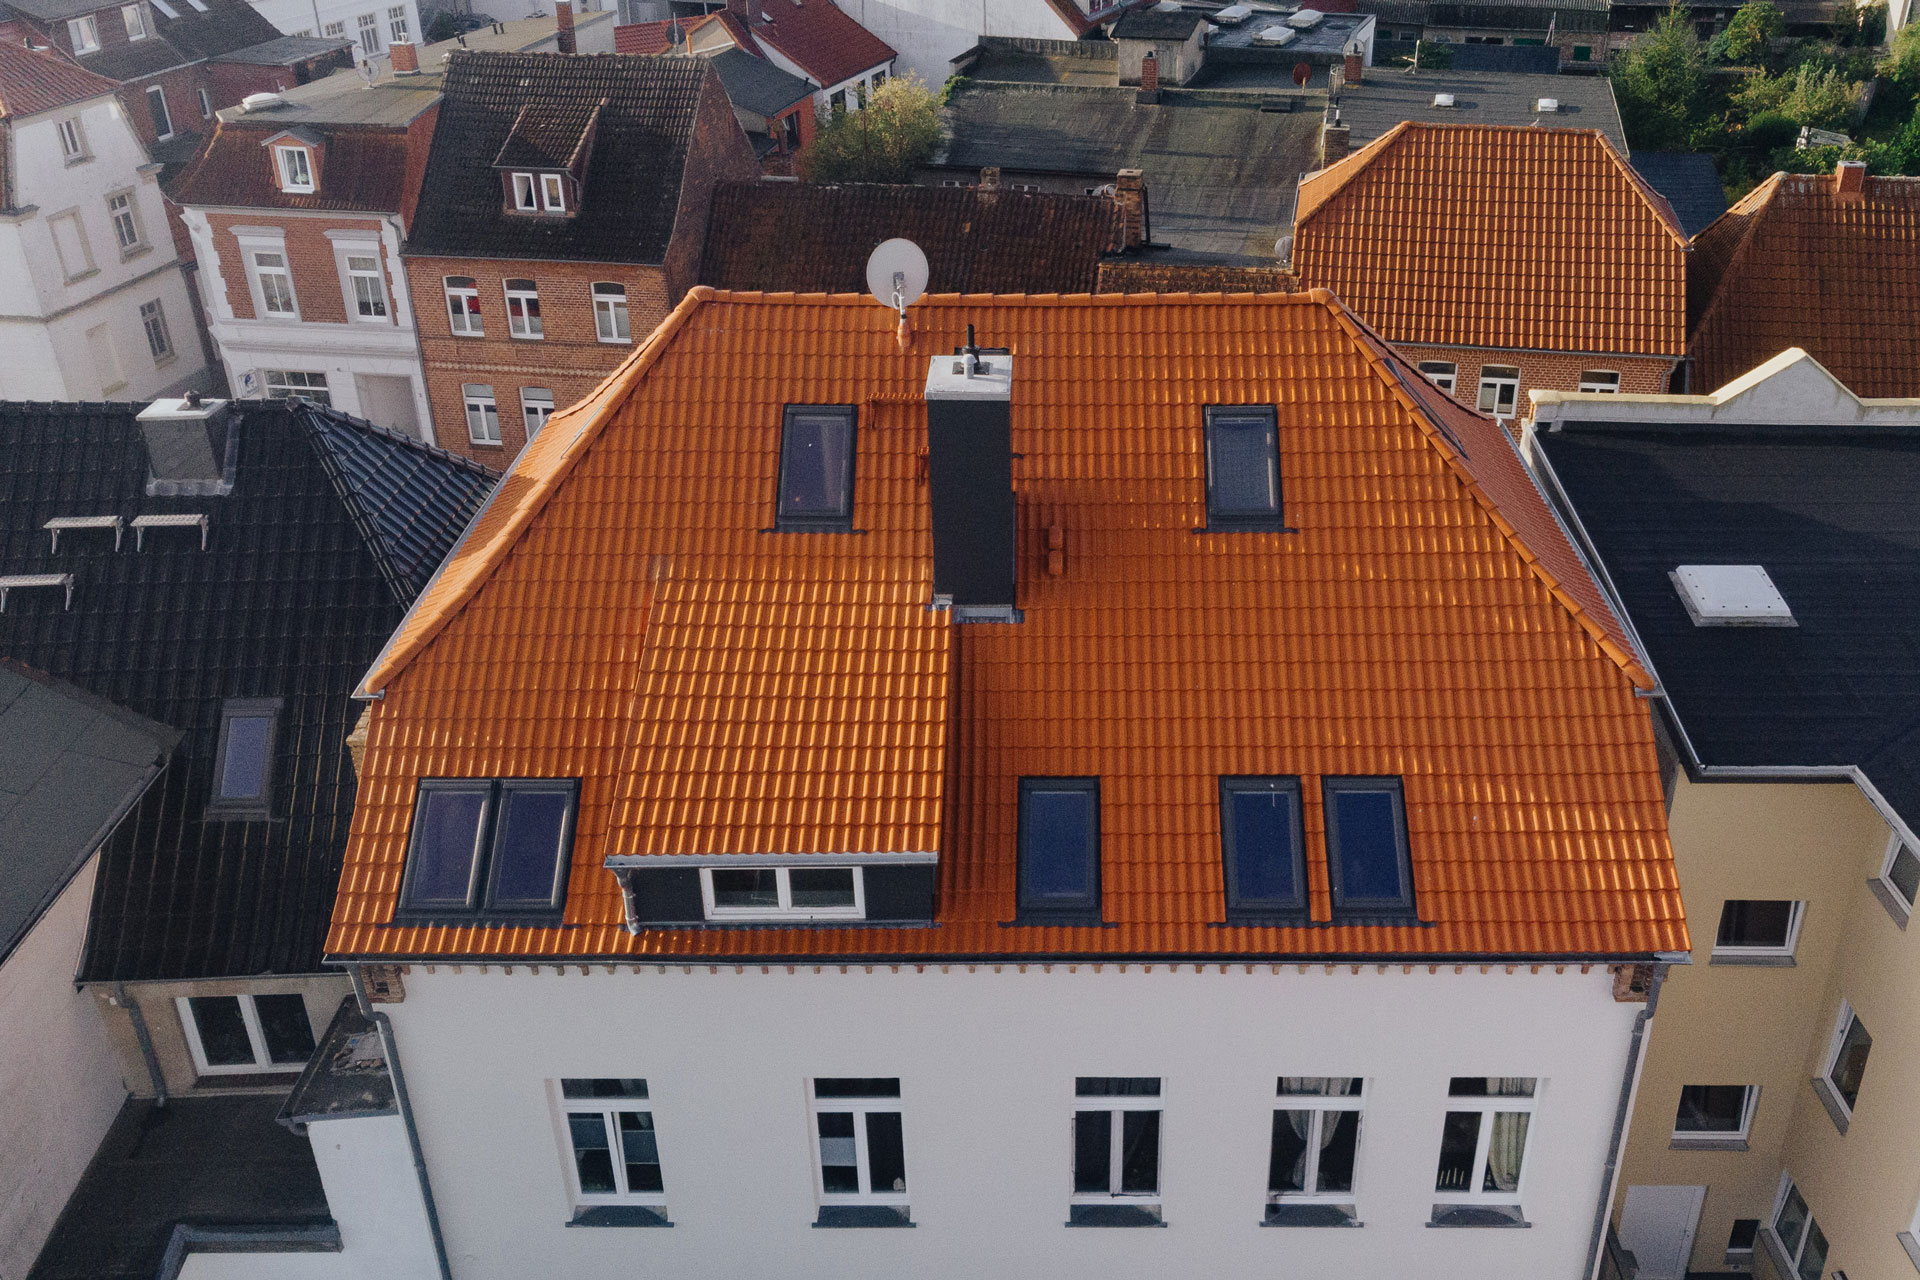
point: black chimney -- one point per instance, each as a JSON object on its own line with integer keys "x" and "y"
{"x": 970, "y": 470}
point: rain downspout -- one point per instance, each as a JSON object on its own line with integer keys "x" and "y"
{"x": 1629, "y": 1079}
{"x": 392, "y": 1052}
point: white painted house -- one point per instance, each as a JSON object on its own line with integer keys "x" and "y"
{"x": 373, "y": 25}
{"x": 930, "y": 33}
{"x": 93, "y": 300}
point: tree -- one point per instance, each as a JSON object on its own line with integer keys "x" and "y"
{"x": 1809, "y": 94}
{"x": 890, "y": 135}
{"x": 1903, "y": 61}
{"x": 1750, "y": 35}
{"x": 1661, "y": 82}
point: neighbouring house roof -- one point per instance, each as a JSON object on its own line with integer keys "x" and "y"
{"x": 193, "y": 36}
{"x": 1689, "y": 182}
{"x": 817, "y": 37}
{"x": 1156, "y": 23}
{"x": 1796, "y": 265}
{"x": 1131, "y": 275}
{"x": 1389, "y": 96}
{"x": 656, "y": 37}
{"x": 71, "y": 766}
{"x": 793, "y": 237}
{"x": 1491, "y": 236}
{"x": 730, "y": 692}
{"x": 286, "y": 51}
{"x": 756, "y": 85}
{"x": 1822, "y": 498}
{"x": 631, "y": 188}
{"x": 31, "y": 82}
{"x": 364, "y": 170}
{"x": 293, "y": 594}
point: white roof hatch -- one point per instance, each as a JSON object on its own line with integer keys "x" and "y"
{"x": 1731, "y": 595}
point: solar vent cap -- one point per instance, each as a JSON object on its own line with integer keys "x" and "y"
{"x": 1731, "y": 595}
{"x": 1547, "y": 105}
{"x": 1442, "y": 99}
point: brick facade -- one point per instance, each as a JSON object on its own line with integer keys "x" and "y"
{"x": 182, "y": 86}
{"x": 317, "y": 289}
{"x": 1547, "y": 370}
{"x": 717, "y": 152}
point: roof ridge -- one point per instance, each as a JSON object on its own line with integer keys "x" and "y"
{"x": 1752, "y": 208}
{"x": 1662, "y": 209}
{"x": 1336, "y": 176}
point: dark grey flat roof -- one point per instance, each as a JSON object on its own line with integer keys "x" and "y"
{"x": 286, "y": 51}
{"x": 1391, "y": 95}
{"x": 756, "y": 85}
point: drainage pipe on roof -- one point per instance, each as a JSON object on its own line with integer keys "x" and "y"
{"x": 392, "y": 1053}
{"x": 1629, "y": 1083}
{"x": 145, "y": 1037}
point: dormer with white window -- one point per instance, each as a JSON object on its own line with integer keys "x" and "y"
{"x": 295, "y": 155}
{"x": 543, "y": 163}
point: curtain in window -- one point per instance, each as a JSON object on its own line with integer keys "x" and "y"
{"x": 1510, "y": 1086}
{"x": 1505, "y": 1149}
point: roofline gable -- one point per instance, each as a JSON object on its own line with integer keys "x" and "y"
{"x": 1792, "y": 388}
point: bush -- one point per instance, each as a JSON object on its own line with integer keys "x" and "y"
{"x": 1861, "y": 24}
{"x": 443, "y": 27}
{"x": 1902, "y": 65}
{"x": 1749, "y": 37}
{"x": 1810, "y": 94}
{"x": 1769, "y": 131}
{"x": 891, "y": 135}
{"x": 1660, "y": 83}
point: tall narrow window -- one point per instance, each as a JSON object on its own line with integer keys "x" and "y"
{"x": 615, "y": 1150}
{"x": 1116, "y": 1151}
{"x": 274, "y": 283}
{"x": 862, "y": 1152}
{"x": 157, "y": 107}
{"x": 1499, "y": 389}
{"x": 369, "y": 289}
{"x": 244, "y": 1034}
{"x": 296, "y": 169}
{"x": 536, "y": 406}
{"x": 1261, "y": 846}
{"x": 1603, "y": 380}
{"x": 70, "y": 243}
{"x": 492, "y": 846}
{"x": 397, "y": 24}
{"x": 1060, "y": 850}
{"x": 72, "y": 147}
{"x": 135, "y": 21}
{"x": 463, "y": 306}
{"x": 610, "y": 313}
{"x": 816, "y": 469}
{"x": 523, "y": 309}
{"x": 243, "y": 763}
{"x": 1839, "y": 1083}
{"x": 83, "y": 34}
{"x": 1483, "y": 1147}
{"x": 125, "y": 219}
{"x": 1441, "y": 373}
{"x": 553, "y": 193}
{"x": 483, "y": 412}
{"x": 1243, "y": 467}
{"x": 523, "y": 197}
{"x": 1367, "y": 854}
{"x": 206, "y": 105}
{"x": 1803, "y": 1245}
{"x": 369, "y": 34}
{"x": 1316, "y": 1142}
{"x": 154, "y": 321}
{"x": 1899, "y": 880}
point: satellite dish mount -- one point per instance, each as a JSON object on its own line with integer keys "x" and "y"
{"x": 897, "y": 277}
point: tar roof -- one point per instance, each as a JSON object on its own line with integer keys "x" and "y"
{"x": 1690, "y": 183}
{"x": 1488, "y": 236}
{"x": 631, "y": 188}
{"x": 1386, "y": 97}
{"x": 1157, "y": 24}
{"x": 286, "y": 51}
{"x": 800, "y": 238}
{"x": 291, "y": 597}
{"x": 725, "y": 691}
{"x": 31, "y": 82}
{"x": 1795, "y": 264}
{"x": 71, "y": 766}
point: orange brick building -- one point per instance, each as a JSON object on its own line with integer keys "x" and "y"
{"x": 561, "y": 216}
{"x": 1502, "y": 258}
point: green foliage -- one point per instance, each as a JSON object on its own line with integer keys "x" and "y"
{"x": 1748, "y": 39}
{"x": 1902, "y": 64}
{"x": 1433, "y": 56}
{"x": 894, "y": 133}
{"x": 1810, "y": 94}
{"x": 444, "y": 27}
{"x": 954, "y": 85}
{"x": 1899, "y": 154}
{"x": 1769, "y": 131}
{"x": 1861, "y": 24}
{"x": 1661, "y": 83}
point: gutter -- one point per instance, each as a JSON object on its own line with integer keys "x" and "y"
{"x": 1629, "y": 1085}
{"x": 141, "y": 1033}
{"x": 400, "y": 1095}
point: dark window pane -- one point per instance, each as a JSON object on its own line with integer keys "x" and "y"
{"x": 223, "y": 1032}
{"x": 527, "y": 852}
{"x": 886, "y": 1152}
{"x": 1056, "y": 833}
{"x": 284, "y": 1026}
{"x": 1242, "y": 467}
{"x": 591, "y": 1156}
{"x": 1140, "y": 1151}
{"x": 1754, "y": 923}
{"x": 1711, "y": 1108}
{"x": 1491, "y": 1087}
{"x": 1263, "y": 833}
{"x": 1339, "y": 1145}
{"x": 839, "y": 1161}
{"x": 1905, "y": 873}
{"x": 1744, "y": 1230}
{"x": 1116, "y": 1086}
{"x": 1319, "y": 1086}
{"x": 1092, "y": 1150}
{"x": 746, "y": 889}
{"x": 244, "y": 772}
{"x": 814, "y": 475}
{"x": 603, "y": 1088}
{"x": 1459, "y": 1136}
{"x": 1814, "y": 1261}
{"x": 445, "y": 840}
{"x": 827, "y": 887}
{"x": 1791, "y": 1222}
{"x": 856, "y": 1087}
{"x": 640, "y": 1151}
{"x": 1287, "y": 1168}
{"x": 1851, "y": 1063}
{"x": 1364, "y": 843}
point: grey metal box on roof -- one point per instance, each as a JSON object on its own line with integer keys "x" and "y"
{"x": 186, "y": 440}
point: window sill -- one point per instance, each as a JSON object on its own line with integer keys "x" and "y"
{"x": 1706, "y": 1142}
{"x": 1310, "y": 1215}
{"x": 161, "y": 362}
{"x": 528, "y": 337}
{"x": 74, "y": 160}
{"x": 139, "y": 250}
{"x": 1755, "y": 962}
{"x": 216, "y": 812}
{"x": 1836, "y": 1106}
{"x": 855, "y": 1216}
{"x": 618, "y": 1215}
{"x": 1477, "y": 1215}
{"x": 1114, "y": 1215}
{"x": 1887, "y": 898}
{"x": 1912, "y": 1247}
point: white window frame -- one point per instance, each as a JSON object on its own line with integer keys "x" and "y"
{"x": 522, "y": 330}
{"x": 125, "y": 219}
{"x": 604, "y": 327}
{"x": 1848, "y": 1016}
{"x": 1116, "y": 1106}
{"x": 859, "y": 1107}
{"x": 1487, "y": 1107}
{"x": 553, "y": 193}
{"x": 256, "y": 277}
{"x": 524, "y": 193}
{"x": 135, "y": 21}
{"x": 335, "y": 30}
{"x": 473, "y": 323}
{"x": 268, "y": 382}
{"x": 1748, "y": 1107}
{"x": 351, "y": 276}
{"x": 1493, "y": 382}
{"x": 1755, "y": 953}
{"x": 529, "y": 407}
{"x": 256, "y": 1038}
{"x": 786, "y": 910}
{"x": 294, "y": 182}
{"x": 1793, "y": 1257}
{"x": 369, "y": 27}
{"x": 1430, "y": 370}
{"x": 1321, "y": 1105}
{"x": 609, "y": 1110}
{"x": 1895, "y": 899}
{"x": 73, "y": 143}
{"x": 476, "y": 406}
{"x": 397, "y": 27}
{"x": 1599, "y": 381}
{"x": 157, "y": 93}
{"x": 83, "y": 33}
{"x": 155, "y": 322}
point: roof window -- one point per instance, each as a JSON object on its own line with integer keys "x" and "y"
{"x": 1243, "y": 467}
{"x": 1366, "y": 822}
{"x": 1260, "y": 846}
{"x": 1060, "y": 850}
{"x": 1731, "y": 595}
{"x": 816, "y": 469}
{"x": 490, "y": 846}
{"x": 243, "y": 765}
{"x": 1547, "y": 106}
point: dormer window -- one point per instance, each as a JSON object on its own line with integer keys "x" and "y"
{"x": 135, "y": 21}
{"x": 296, "y": 169}
{"x": 553, "y": 193}
{"x": 538, "y": 192}
{"x": 83, "y": 34}
{"x": 523, "y": 193}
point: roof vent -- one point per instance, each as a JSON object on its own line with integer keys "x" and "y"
{"x": 262, "y": 102}
{"x": 1731, "y": 595}
{"x": 1275, "y": 35}
{"x": 1547, "y": 105}
{"x": 1443, "y": 100}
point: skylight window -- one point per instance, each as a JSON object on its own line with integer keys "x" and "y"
{"x": 1060, "y": 849}
{"x": 490, "y": 846}
{"x": 816, "y": 469}
{"x": 1243, "y": 468}
{"x": 1367, "y": 846}
{"x": 243, "y": 765}
{"x": 1260, "y": 845}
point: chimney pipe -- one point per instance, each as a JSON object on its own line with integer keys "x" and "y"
{"x": 1149, "y": 73}
{"x": 1334, "y": 141}
{"x": 1352, "y": 69}
{"x": 970, "y": 481}
{"x": 1130, "y": 194}
{"x": 405, "y": 56}
{"x": 990, "y": 178}
{"x": 563, "y": 26}
{"x": 1850, "y": 179}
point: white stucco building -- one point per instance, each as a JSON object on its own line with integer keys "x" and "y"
{"x": 373, "y": 25}
{"x": 930, "y": 33}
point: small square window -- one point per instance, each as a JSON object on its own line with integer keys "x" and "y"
{"x": 1441, "y": 373}
{"x": 1060, "y": 849}
{"x": 83, "y": 34}
{"x": 1714, "y": 1112}
{"x": 1757, "y": 929}
{"x": 1367, "y": 853}
{"x": 1499, "y": 389}
{"x": 239, "y": 1035}
{"x": 486, "y": 846}
{"x": 243, "y": 761}
{"x": 1261, "y": 845}
{"x": 816, "y": 469}
{"x": 1243, "y": 467}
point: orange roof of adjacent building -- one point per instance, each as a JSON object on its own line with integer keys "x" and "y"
{"x": 619, "y": 614}
{"x": 1799, "y": 264}
{"x": 1511, "y": 237}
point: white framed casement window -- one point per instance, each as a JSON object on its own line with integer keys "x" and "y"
{"x": 273, "y": 284}
{"x": 1499, "y": 389}
{"x": 1838, "y": 1084}
{"x": 1116, "y": 1151}
{"x": 1316, "y": 1144}
{"x": 553, "y": 193}
{"x": 483, "y": 413}
{"x": 1602, "y": 380}
{"x": 463, "y": 306}
{"x": 281, "y": 383}
{"x": 613, "y": 1149}
{"x": 1715, "y": 1116}
{"x": 783, "y": 893}
{"x": 245, "y": 1034}
{"x": 610, "y": 313}
{"x": 1798, "y": 1245}
{"x": 1483, "y": 1144}
{"x": 523, "y": 309}
{"x": 334, "y": 30}
{"x": 369, "y": 24}
{"x": 296, "y": 169}
{"x": 1757, "y": 931}
{"x": 83, "y": 34}
{"x": 536, "y": 406}
{"x": 397, "y": 24}
{"x": 860, "y": 1151}
{"x": 125, "y": 218}
{"x": 524, "y": 198}
{"x": 153, "y": 319}
{"x": 1899, "y": 880}
{"x": 73, "y": 144}
{"x": 366, "y": 286}
{"x": 157, "y": 108}
{"x": 135, "y": 20}
{"x": 1441, "y": 373}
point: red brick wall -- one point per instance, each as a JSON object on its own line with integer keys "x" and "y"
{"x": 316, "y": 272}
{"x": 229, "y": 82}
{"x": 419, "y": 142}
{"x": 1547, "y": 371}
{"x": 569, "y": 360}
{"x": 718, "y": 152}
{"x": 183, "y": 100}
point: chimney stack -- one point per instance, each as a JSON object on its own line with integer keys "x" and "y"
{"x": 1352, "y": 69}
{"x": 1130, "y": 194}
{"x": 186, "y": 443}
{"x": 1850, "y": 180}
{"x": 970, "y": 481}
{"x": 406, "y": 58}
{"x": 1149, "y": 73}
{"x": 1334, "y": 141}
{"x": 563, "y": 26}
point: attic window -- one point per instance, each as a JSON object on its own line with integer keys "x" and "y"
{"x": 523, "y": 193}
{"x": 296, "y": 169}
{"x": 1366, "y": 821}
{"x": 816, "y": 469}
{"x": 1730, "y": 595}
{"x": 1547, "y": 106}
{"x": 1260, "y": 845}
{"x": 1243, "y": 467}
{"x": 553, "y": 193}
{"x": 243, "y": 765}
{"x": 1059, "y": 845}
{"x": 495, "y": 846}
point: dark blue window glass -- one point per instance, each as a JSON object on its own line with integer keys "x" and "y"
{"x": 816, "y": 469}
{"x": 485, "y": 844}
{"x": 1243, "y": 468}
{"x": 528, "y": 844}
{"x": 1367, "y": 844}
{"x": 446, "y": 845}
{"x": 1260, "y": 840}
{"x": 1059, "y": 846}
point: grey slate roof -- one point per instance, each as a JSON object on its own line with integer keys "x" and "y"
{"x": 1387, "y": 97}
{"x": 71, "y": 766}
{"x": 1689, "y": 182}
{"x": 756, "y": 85}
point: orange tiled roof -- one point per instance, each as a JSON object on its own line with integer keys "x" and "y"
{"x": 1796, "y": 265}
{"x": 616, "y": 615}
{"x": 1497, "y": 236}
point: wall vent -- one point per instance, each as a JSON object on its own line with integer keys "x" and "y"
{"x": 1731, "y": 595}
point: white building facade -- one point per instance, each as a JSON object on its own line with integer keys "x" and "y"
{"x": 372, "y": 24}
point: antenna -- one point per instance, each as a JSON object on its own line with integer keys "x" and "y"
{"x": 896, "y": 277}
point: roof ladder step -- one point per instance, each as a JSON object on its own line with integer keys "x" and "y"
{"x": 22, "y": 581}
{"x": 183, "y": 521}
{"x": 59, "y": 524}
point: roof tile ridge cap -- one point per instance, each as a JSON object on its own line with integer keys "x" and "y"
{"x": 1379, "y": 358}
{"x": 1746, "y": 235}
{"x": 1661, "y": 206}
{"x": 434, "y": 611}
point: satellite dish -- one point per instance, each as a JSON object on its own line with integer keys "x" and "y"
{"x": 897, "y": 274}
{"x": 1302, "y": 72}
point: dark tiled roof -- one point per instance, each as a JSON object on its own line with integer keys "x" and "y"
{"x": 820, "y": 39}
{"x": 793, "y": 237}
{"x": 223, "y": 27}
{"x": 632, "y": 184}
{"x": 71, "y": 766}
{"x": 288, "y": 601}
{"x": 133, "y": 59}
{"x": 1689, "y": 182}
{"x": 1134, "y": 275}
{"x": 1829, "y": 512}
{"x": 756, "y": 85}
{"x": 32, "y": 82}
{"x": 361, "y": 169}
{"x": 285, "y": 51}
{"x": 549, "y": 137}
{"x": 1158, "y": 24}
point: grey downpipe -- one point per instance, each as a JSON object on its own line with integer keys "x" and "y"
{"x": 145, "y": 1037}
{"x": 1609, "y": 1175}
{"x": 392, "y": 1052}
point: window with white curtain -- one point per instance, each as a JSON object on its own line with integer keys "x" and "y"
{"x": 1483, "y": 1142}
{"x": 1316, "y": 1141}
{"x": 1116, "y": 1151}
